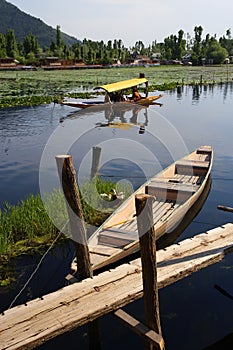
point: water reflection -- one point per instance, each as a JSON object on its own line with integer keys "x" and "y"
{"x": 204, "y": 90}
{"x": 117, "y": 112}
{"x": 200, "y": 116}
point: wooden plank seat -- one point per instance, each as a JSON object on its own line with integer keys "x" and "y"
{"x": 102, "y": 250}
{"x": 192, "y": 167}
{"x": 187, "y": 179}
{"x": 116, "y": 237}
{"x": 205, "y": 150}
{"x": 173, "y": 191}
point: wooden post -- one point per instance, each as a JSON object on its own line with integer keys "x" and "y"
{"x": 147, "y": 240}
{"x": 224, "y": 208}
{"x": 96, "y": 151}
{"x": 78, "y": 231}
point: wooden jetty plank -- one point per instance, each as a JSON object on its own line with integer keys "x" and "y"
{"x": 25, "y": 327}
{"x": 140, "y": 329}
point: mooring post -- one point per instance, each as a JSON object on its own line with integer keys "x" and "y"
{"x": 68, "y": 181}
{"x": 147, "y": 240}
{"x": 96, "y": 151}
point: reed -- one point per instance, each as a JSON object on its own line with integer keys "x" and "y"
{"x": 26, "y": 228}
{"x": 23, "y": 225}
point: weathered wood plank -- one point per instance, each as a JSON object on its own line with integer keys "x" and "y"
{"x": 139, "y": 328}
{"x": 25, "y": 327}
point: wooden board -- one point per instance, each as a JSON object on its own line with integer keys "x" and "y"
{"x": 25, "y": 327}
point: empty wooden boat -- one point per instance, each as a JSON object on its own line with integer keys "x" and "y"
{"x": 176, "y": 189}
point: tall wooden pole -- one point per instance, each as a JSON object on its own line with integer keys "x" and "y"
{"x": 96, "y": 151}
{"x": 67, "y": 175}
{"x": 68, "y": 181}
{"x": 147, "y": 240}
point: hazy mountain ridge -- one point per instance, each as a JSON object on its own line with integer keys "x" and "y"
{"x": 11, "y": 17}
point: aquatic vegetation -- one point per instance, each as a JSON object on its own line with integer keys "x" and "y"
{"x": 26, "y": 228}
{"x": 30, "y": 88}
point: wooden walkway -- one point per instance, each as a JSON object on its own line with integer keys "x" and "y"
{"x": 25, "y": 327}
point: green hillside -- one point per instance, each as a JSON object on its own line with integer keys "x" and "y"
{"x": 13, "y": 18}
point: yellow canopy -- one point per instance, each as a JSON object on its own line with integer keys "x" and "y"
{"x": 122, "y": 85}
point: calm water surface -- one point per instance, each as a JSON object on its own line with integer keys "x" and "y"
{"x": 193, "y": 313}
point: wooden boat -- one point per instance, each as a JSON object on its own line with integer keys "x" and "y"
{"x": 176, "y": 189}
{"x": 113, "y": 91}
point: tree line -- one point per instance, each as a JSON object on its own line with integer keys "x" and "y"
{"x": 174, "y": 47}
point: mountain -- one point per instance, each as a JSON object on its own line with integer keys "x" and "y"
{"x": 11, "y": 17}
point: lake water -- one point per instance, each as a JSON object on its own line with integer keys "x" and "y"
{"x": 140, "y": 143}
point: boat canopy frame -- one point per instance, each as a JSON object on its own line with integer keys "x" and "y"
{"x": 122, "y": 85}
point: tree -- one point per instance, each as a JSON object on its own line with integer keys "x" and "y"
{"x": 109, "y": 45}
{"x": 2, "y": 45}
{"x": 139, "y": 47}
{"x": 59, "y": 38}
{"x": 53, "y": 46}
{"x": 196, "y": 56}
{"x": 11, "y": 45}
{"x": 228, "y": 33}
{"x": 175, "y": 46}
{"x": 30, "y": 44}
{"x": 180, "y": 44}
{"x": 216, "y": 52}
{"x": 227, "y": 42}
{"x": 188, "y": 42}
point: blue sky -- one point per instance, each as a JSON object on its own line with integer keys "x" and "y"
{"x": 131, "y": 20}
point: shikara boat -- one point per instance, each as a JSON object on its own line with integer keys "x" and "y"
{"x": 114, "y": 91}
{"x": 176, "y": 190}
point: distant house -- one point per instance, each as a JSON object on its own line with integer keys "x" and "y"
{"x": 156, "y": 56}
{"x": 187, "y": 59}
{"x": 207, "y": 61}
{"x": 142, "y": 60}
{"x": 7, "y": 62}
{"x": 178, "y": 62}
{"x": 50, "y": 61}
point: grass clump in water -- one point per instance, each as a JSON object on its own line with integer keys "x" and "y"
{"x": 26, "y": 228}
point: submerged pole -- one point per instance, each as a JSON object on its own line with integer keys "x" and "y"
{"x": 147, "y": 240}
{"x": 96, "y": 152}
{"x": 224, "y": 208}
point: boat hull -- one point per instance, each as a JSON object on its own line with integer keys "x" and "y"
{"x": 176, "y": 189}
{"x": 83, "y": 105}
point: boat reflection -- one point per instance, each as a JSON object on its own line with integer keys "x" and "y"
{"x": 117, "y": 115}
